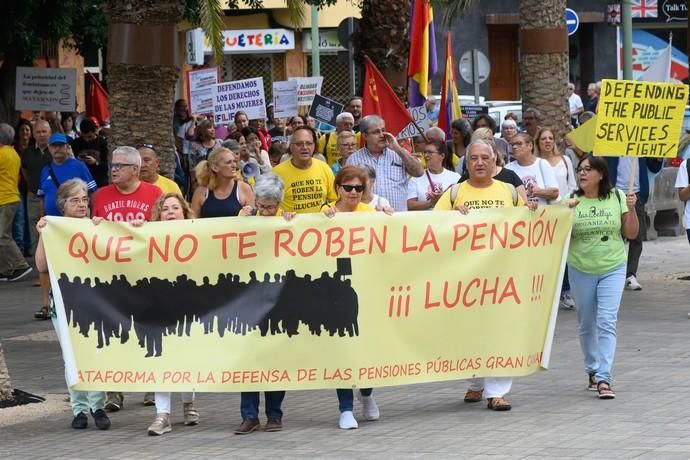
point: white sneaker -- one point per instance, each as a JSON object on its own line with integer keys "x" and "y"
{"x": 161, "y": 425}
{"x": 347, "y": 421}
{"x": 631, "y": 284}
{"x": 567, "y": 302}
{"x": 369, "y": 407}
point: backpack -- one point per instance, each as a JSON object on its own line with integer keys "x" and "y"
{"x": 456, "y": 188}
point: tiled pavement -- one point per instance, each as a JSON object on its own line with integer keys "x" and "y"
{"x": 553, "y": 415}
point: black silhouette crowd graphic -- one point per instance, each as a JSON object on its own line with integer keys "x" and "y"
{"x": 159, "y": 307}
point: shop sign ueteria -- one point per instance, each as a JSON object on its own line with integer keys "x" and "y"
{"x": 255, "y": 40}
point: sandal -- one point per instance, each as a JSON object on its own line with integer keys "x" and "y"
{"x": 43, "y": 313}
{"x": 592, "y": 386}
{"x": 605, "y": 391}
{"x": 498, "y": 404}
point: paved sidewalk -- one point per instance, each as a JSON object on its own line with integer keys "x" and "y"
{"x": 553, "y": 415}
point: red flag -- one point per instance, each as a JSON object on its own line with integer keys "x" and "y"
{"x": 380, "y": 99}
{"x": 97, "y": 102}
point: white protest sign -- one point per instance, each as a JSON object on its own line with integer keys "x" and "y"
{"x": 200, "y": 86}
{"x": 419, "y": 115}
{"x": 284, "y": 99}
{"x": 241, "y": 95}
{"x": 41, "y": 89}
{"x": 307, "y": 88}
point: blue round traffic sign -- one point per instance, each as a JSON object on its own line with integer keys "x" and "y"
{"x": 572, "y": 21}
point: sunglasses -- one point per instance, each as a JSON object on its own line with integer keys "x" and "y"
{"x": 356, "y": 188}
{"x": 148, "y": 146}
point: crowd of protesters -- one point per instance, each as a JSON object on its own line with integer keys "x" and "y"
{"x": 258, "y": 168}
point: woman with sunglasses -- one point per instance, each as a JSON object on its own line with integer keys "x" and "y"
{"x": 350, "y": 184}
{"x": 597, "y": 262}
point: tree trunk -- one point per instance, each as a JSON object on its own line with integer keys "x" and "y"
{"x": 141, "y": 108}
{"x": 141, "y": 75}
{"x": 544, "y": 60}
{"x": 383, "y": 37}
{"x": 5, "y": 384}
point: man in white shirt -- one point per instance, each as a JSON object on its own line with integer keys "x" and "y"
{"x": 683, "y": 186}
{"x": 576, "y": 106}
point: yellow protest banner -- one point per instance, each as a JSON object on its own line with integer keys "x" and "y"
{"x": 641, "y": 119}
{"x": 248, "y": 303}
{"x": 583, "y": 136}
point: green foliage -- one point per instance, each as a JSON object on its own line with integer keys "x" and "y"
{"x": 453, "y": 8}
{"x": 25, "y": 23}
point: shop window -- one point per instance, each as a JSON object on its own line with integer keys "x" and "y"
{"x": 336, "y": 77}
{"x": 243, "y": 66}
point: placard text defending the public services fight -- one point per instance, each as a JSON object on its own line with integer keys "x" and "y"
{"x": 364, "y": 299}
{"x": 639, "y": 119}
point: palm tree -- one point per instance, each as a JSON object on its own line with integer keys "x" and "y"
{"x": 544, "y": 60}
{"x": 383, "y": 37}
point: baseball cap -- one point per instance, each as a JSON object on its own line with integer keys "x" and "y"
{"x": 57, "y": 138}
{"x": 95, "y": 121}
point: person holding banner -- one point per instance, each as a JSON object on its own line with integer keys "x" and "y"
{"x": 620, "y": 170}
{"x": 268, "y": 194}
{"x": 350, "y": 184}
{"x": 597, "y": 264}
{"x": 478, "y": 189}
{"x": 219, "y": 193}
{"x": 423, "y": 192}
{"x": 72, "y": 200}
{"x": 171, "y": 206}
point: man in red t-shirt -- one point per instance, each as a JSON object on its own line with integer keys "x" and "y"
{"x": 127, "y": 198}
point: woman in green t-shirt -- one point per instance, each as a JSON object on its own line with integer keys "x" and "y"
{"x": 597, "y": 266}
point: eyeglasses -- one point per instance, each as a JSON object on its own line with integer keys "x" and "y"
{"x": 303, "y": 144}
{"x": 584, "y": 169}
{"x": 517, "y": 144}
{"x": 353, "y": 145}
{"x": 270, "y": 208}
{"x": 75, "y": 201}
{"x": 356, "y": 188}
{"x": 119, "y": 166}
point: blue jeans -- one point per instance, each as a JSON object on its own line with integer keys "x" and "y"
{"x": 346, "y": 397}
{"x": 249, "y": 404}
{"x": 19, "y": 226}
{"x": 598, "y": 298}
{"x": 688, "y": 232}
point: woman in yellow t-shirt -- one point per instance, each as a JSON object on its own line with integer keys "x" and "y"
{"x": 350, "y": 184}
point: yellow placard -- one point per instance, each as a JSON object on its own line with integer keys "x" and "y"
{"x": 640, "y": 119}
{"x": 249, "y": 303}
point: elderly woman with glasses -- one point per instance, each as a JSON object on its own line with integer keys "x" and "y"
{"x": 597, "y": 261}
{"x": 350, "y": 184}
{"x": 72, "y": 200}
{"x": 268, "y": 194}
{"x": 346, "y": 144}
